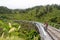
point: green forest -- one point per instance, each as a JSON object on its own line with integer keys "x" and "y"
{"x": 49, "y": 13}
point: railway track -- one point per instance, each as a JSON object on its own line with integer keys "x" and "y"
{"x": 55, "y": 34}
{"x": 55, "y": 29}
{"x": 50, "y": 34}
{"x": 44, "y": 35}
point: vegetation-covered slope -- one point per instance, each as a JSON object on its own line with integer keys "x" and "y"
{"x": 50, "y": 13}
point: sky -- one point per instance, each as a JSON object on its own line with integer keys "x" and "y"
{"x": 23, "y": 4}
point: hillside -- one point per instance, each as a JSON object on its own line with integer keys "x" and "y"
{"x": 50, "y": 13}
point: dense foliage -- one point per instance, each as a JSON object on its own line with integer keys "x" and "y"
{"x": 10, "y": 30}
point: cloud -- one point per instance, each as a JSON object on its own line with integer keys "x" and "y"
{"x": 22, "y": 4}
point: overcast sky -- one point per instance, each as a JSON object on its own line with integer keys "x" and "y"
{"x": 23, "y": 4}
